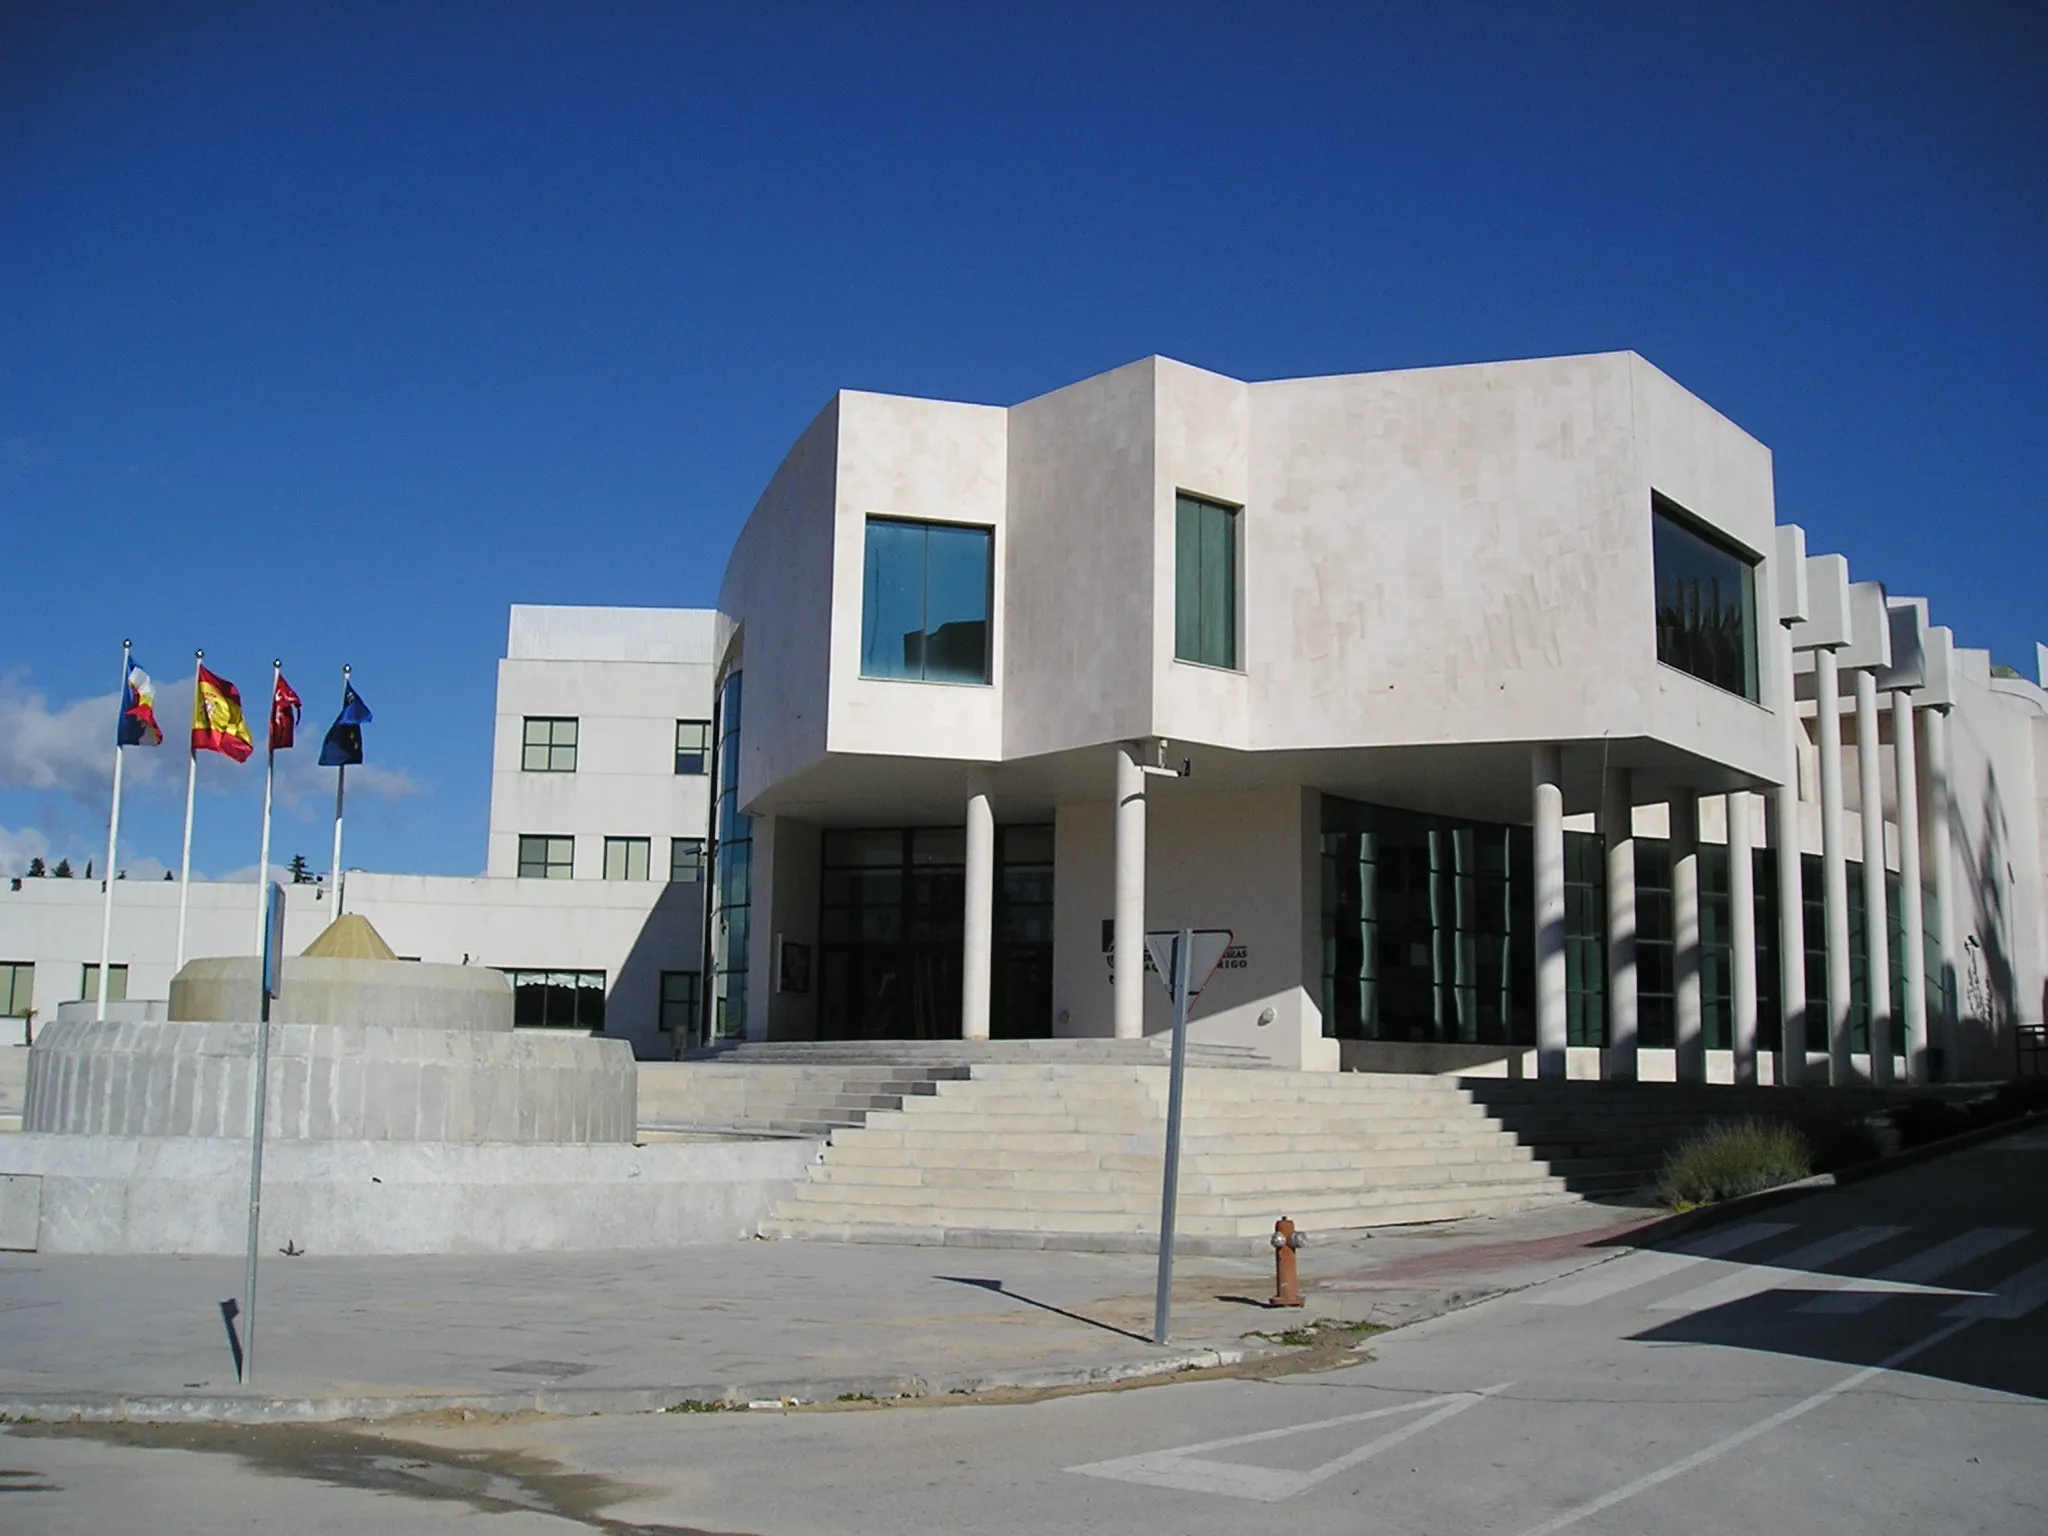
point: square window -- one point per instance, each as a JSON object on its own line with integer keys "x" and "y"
{"x": 17, "y": 988}
{"x": 546, "y": 857}
{"x": 925, "y": 601}
{"x": 557, "y": 999}
{"x": 1706, "y": 601}
{"x": 548, "y": 745}
{"x": 679, "y": 992}
{"x": 685, "y": 860}
{"x": 89, "y": 983}
{"x": 693, "y": 746}
{"x": 625, "y": 858}
{"x": 1205, "y": 582}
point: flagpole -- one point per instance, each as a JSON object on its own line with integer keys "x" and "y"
{"x": 191, "y": 785}
{"x": 113, "y": 835}
{"x": 340, "y": 793}
{"x": 269, "y": 778}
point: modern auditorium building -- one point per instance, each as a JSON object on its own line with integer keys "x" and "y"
{"x": 1491, "y": 708}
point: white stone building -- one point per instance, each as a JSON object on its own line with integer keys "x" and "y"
{"x": 593, "y": 892}
{"x": 1497, "y": 688}
{"x": 1496, "y": 685}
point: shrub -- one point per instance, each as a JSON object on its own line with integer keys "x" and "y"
{"x": 1735, "y": 1157}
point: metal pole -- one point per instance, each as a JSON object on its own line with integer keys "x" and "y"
{"x": 269, "y": 781}
{"x": 340, "y": 792}
{"x": 1162, "y": 1301}
{"x": 262, "y": 1089}
{"x": 191, "y": 784}
{"x": 113, "y": 833}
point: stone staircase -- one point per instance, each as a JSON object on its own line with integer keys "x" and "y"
{"x": 1069, "y": 1154}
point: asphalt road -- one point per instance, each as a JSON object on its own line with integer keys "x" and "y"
{"x": 1867, "y": 1360}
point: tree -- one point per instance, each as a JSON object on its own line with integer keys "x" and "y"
{"x": 167, "y": 874}
{"x": 299, "y": 873}
{"x": 35, "y": 868}
{"x": 63, "y": 869}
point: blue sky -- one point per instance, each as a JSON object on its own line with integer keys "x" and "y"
{"x": 328, "y": 331}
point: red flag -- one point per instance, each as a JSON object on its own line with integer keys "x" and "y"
{"x": 284, "y": 714}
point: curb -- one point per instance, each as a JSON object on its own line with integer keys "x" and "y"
{"x": 1856, "y": 1173}
{"x": 727, "y": 1396}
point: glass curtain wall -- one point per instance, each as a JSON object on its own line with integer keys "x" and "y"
{"x": 732, "y": 875}
{"x": 1425, "y": 927}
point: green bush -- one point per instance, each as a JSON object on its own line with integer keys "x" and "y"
{"x": 1735, "y": 1157}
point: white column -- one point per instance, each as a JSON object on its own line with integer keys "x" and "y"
{"x": 1783, "y": 811}
{"x": 1127, "y": 952}
{"x": 1742, "y": 934}
{"x": 1617, "y": 832}
{"x": 978, "y": 937}
{"x": 1833, "y": 860}
{"x": 1912, "y": 1011}
{"x": 1546, "y": 773}
{"x": 1937, "y": 813}
{"x": 1877, "y": 947}
{"x": 1685, "y": 936}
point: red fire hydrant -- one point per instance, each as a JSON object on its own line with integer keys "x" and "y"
{"x": 1286, "y": 1277}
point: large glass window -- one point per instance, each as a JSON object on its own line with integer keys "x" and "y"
{"x": 557, "y": 999}
{"x": 545, "y": 857}
{"x": 1205, "y": 582}
{"x": 1706, "y": 602}
{"x": 925, "y": 601}
{"x": 548, "y": 746}
{"x": 1426, "y": 936}
{"x": 1585, "y": 939}
{"x": 625, "y": 858}
{"x": 732, "y": 875}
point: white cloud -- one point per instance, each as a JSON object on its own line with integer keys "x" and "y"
{"x": 301, "y": 779}
{"x": 67, "y": 751}
{"x": 17, "y": 848}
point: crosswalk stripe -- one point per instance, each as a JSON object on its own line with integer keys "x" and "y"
{"x": 1918, "y": 1269}
{"x": 1800, "y": 1265}
{"x": 2015, "y": 1296}
{"x": 1642, "y": 1267}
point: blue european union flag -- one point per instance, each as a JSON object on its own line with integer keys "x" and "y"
{"x": 343, "y": 745}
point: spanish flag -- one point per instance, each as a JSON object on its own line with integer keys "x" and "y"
{"x": 217, "y": 723}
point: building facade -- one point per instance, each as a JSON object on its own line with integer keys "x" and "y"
{"x": 1491, "y": 708}
{"x": 592, "y": 899}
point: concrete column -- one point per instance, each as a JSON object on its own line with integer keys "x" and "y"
{"x": 1546, "y": 775}
{"x": 1877, "y": 946}
{"x": 1617, "y": 832}
{"x": 1742, "y": 934}
{"x": 1834, "y": 861}
{"x": 1912, "y": 1011}
{"x": 1783, "y": 811}
{"x": 1127, "y": 952}
{"x": 978, "y": 937}
{"x": 1685, "y": 936}
{"x": 1937, "y": 813}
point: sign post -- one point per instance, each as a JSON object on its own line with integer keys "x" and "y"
{"x": 270, "y": 985}
{"x": 1185, "y": 961}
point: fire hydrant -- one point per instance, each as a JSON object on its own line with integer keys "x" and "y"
{"x": 1286, "y": 1277}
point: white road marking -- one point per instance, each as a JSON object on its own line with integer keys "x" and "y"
{"x": 1799, "y": 1265}
{"x": 1917, "y": 1272}
{"x": 1185, "y": 1468}
{"x": 2013, "y": 1297}
{"x": 1742, "y": 1437}
{"x": 1644, "y": 1266}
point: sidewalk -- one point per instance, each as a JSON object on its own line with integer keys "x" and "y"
{"x": 143, "y": 1337}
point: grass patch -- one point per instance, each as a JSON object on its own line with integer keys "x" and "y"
{"x": 856, "y": 1397}
{"x": 1323, "y": 1332}
{"x": 1733, "y": 1158}
{"x": 699, "y": 1405}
